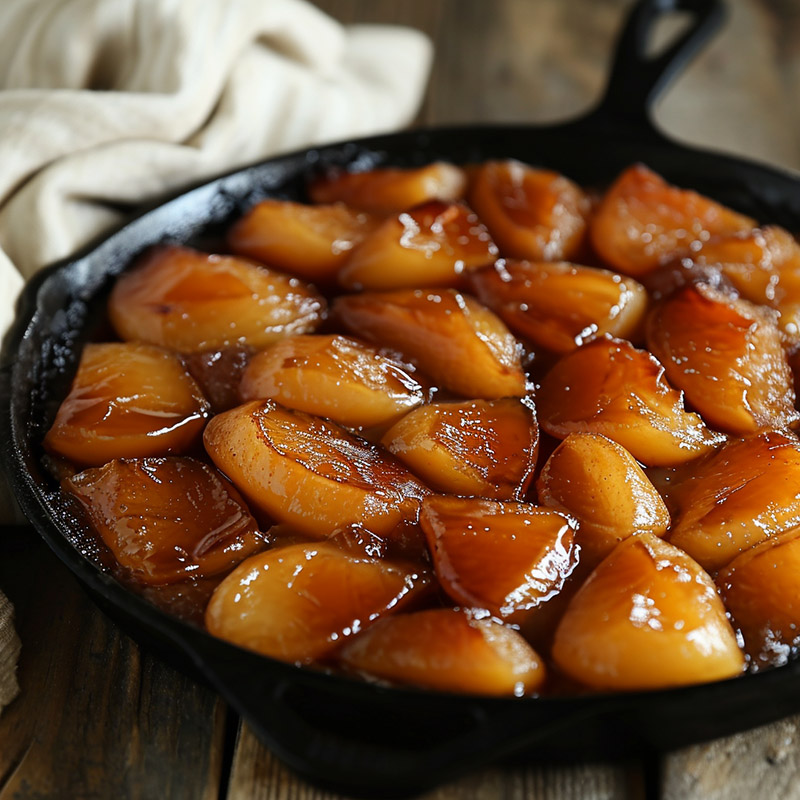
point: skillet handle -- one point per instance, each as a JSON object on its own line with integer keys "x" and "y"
{"x": 636, "y": 79}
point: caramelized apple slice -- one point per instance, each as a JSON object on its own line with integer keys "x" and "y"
{"x": 600, "y": 484}
{"x": 310, "y": 473}
{"x": 481, "y": 447}
{"x": 610, "y": 387}
{"x": 167, "y": 519}
{"x": 648, "y": 617}
{"x": 430, "y": 245}
{"x": 643, "y": 222}
{"x": 446, "y": 334}
{"x": 727, "y": 356}
{"x": 127, "y": 401}
{"x": 738, "y": 497}
{"x": 761, "y": 590}
{"x": 333, "y": 376}
{"x": 447, "y": 649}
{"x": 764, "y": 267}
{"x": 507, "y": 558}
{"x": 191, "y": 302}
{"x": 312, "y": 242}
{"x": 560, "y": 306}
{"x": 390, "y": 189}
{"x": 531, "y": 213}
{"x": 299, "y": 603}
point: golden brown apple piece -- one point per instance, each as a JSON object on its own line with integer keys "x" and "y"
{"x": 486, "y": 448}
{"x": 309, "y": 473}
{"x": 610, "y": 387}
{"x": 762, "y": 264}
{"x": 531, "y": 213}
{"x": 312, "y": 242}
{"x": 449, "y": 336}
{"x": 748, "y": 491}
{"x": 601, "y": 485}
{"x": 727, "y": 356}
{"x": 127, "y": 401}
{"x": 648, "y": 617}
{"x": 388, "y": 190}
{"x": 507, "y": 558}
{"x": 448, "y": 650}
{"x": 167, "y": 519}
{"x": 299, "y": 603}
{"x": 430, "y": 245}
{"x": 191, "y": 301}
{"x": 761, "y": 590}
{"x": 560, "y": 306}
{"x": 333, "y": 376}
{"x": 643, "y": 222}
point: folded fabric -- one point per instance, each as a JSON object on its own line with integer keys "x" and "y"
{"x": 108, "y": 104}
{"x": 105, "y": 104}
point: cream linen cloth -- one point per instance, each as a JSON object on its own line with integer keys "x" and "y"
{"x": 108, "y": 103}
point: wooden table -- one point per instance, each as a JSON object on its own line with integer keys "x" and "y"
{"x": 98, "y": 718}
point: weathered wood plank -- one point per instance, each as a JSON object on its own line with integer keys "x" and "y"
{"x": 258, "y": 775}
{"x": 97, "y": 718}
{"x": 764, "y": 762}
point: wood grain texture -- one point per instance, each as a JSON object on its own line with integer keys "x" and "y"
{"x": 97, "y": 718}
{"x": 257, "y": 775}
{"x": 764, "y": 762}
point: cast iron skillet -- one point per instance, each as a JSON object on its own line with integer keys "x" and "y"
{"x": 357, "y": 737}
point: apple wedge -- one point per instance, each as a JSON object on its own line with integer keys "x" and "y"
{"x": 301, "y": 602}
{"x": 309, "y": 473}
{"x": 127, "y": 401}
{"x": 451, "y": 337}
{"x": 648, "y": 617}
{"x": 449, "y": 650}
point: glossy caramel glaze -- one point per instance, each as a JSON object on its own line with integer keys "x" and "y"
{"x": 389, "y": 190}
{"x": 611, "y": 388}
{"x": 647, "y": 617}
{"x": 643, "y": 222}
{"x": 127, "y": 401}
{"x": 191, "y": 301}
{"x": 301, "y": 602}
{"x": 338, "y": 443}
{"x": 486, "y": 448}
{"x": 430, "y": 245}
{"x": 728, "y": 358}
{"x": 167, "y": 519}
{"x": 560, "y": 306}
{"x": 748, "y": 491}
{"x": 311, "y": 242}
{"x": 763, "y": 265}
{"x": 449, "y": 650}
{"x": 219, "y": 373}
{"x": 451, "y": 337}
{"x": 532, "y": 213}
{"x": 333, "y": 376}
{"x": 600, "y": 484}
{"x": 310, "y": 473}
{"x": 505, "y": 558}
{"x": 761, "y": 589}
